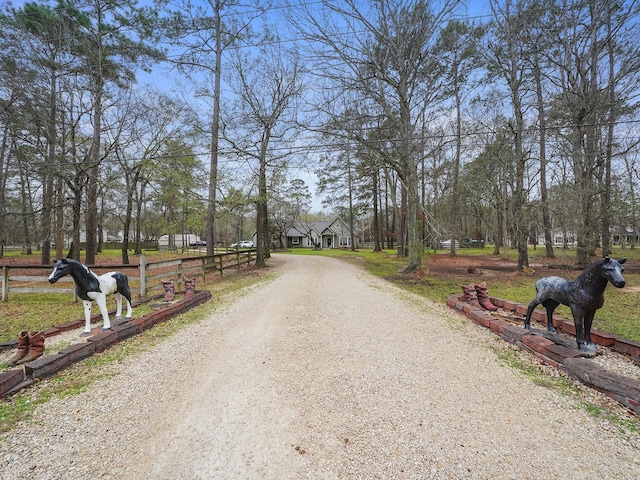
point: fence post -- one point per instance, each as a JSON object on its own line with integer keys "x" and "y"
{"x": 5, "y": 284}
{"x": 143, "y": 275}
{"x": 221, "y": 266}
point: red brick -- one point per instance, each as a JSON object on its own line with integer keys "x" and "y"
{"x": 46, "y": 366}
{"x": 460, "y": 305}
{"x": 481, "y": 317}
{"x": 513, "y": 333}
{"x": 539, "y": 316}
{"x": 50, "y": 332}
{"x": 142, "y": 323}
{"x": 65, "y": 327}
{"x": 468, "y": 308}
{"x": 79, "y": 351}
{"x": 161, "y": 315}
{"x": 452, "y": 300}
{"x": 509, "y": 306}
{"x": 558, "y": 321}
{"x": 627, "y": 346}
{"x": 602, "y": 338}
{"x": 537, "y": 343}
{"x": 126, "y": 330}
{"x": 103, "y": 340}
{"x": 521, "y": 309}
{"x": 546, "y": 359}
{"x": 560, "y": 353}
{"x": 10, "y": 379}
{"x": 568, "y": 327}
{"x": 498, "y": 302}
{"x": 498, "y": 325}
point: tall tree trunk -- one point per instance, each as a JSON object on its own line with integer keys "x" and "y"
{"x": 542, "y": 145}
{"x": 97, "y": 85}
{"x": 4, "y": 164}
{"x": 455, "y": 200}
{"x": 59, "y": 214}
{"x": 414, "y": 224}
{"x": 605, "y": 225}
{"x": 210, "y": 225}
{"x": 376, "y": 213}
{"x": 47, "y": 187}
{"x": 505, "y": 221}
{"x": 26, "y": 211}
{"x": 126, "y": 225}
{"x": 92, "y": 184}
{"x": 261, "y": 204}
{"x": 138, "y": 222}
{"x": 351, "y": 213}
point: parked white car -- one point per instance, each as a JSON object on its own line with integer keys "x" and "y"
{"x": 242, "y": 244}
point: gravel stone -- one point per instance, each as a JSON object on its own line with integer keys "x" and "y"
{"x": 325, "y": 372}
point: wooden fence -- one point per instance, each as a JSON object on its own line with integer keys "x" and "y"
{"x": 143, "y": 278}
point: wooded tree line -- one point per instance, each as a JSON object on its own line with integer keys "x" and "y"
{"x": 427, "y": 121}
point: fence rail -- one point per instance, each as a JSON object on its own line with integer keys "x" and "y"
{"x": 144, "y": 278}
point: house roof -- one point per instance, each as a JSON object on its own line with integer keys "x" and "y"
{"x": 301, "y": 229}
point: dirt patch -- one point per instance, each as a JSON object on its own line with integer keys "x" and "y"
{"x": 460, "y": 265}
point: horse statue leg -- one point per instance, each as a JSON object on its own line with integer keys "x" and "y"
{"x": 101, "y": 300}
{"x": 578, "y": 322}
{"x": 129, "y": 309}
{"x": 590, "y": 346}
{"x": 527, "y": 319}
{"x": 550, "y": 305}
{"x": 87, "y": 317}
{"x": 118, "y": 298}
{"x": 123, "y": 290}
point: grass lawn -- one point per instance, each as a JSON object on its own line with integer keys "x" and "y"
{"x": 34, "y": 312}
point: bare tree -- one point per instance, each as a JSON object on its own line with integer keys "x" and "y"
{"x": 142, "y": 124}
{"x": 201, "y": 35}
{"x": 507, "y": 58}
{"x": 457, "y": 45}
{"x": 267, "y": 87}
{"x": 383, "y": 50}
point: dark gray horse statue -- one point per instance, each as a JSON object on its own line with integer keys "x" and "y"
{"x": 584, "y": 296}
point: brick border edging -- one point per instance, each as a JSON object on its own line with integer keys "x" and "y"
{"x": 623, "y": 389}
{"x": 14, "y": 380}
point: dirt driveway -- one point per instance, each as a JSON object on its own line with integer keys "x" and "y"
{"x": 321, "y": 373}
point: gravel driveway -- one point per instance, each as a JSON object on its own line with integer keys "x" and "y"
{"x": 324, "y": 372}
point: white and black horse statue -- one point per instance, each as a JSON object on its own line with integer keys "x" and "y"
{"x": 90, "y": 286}
{"x": 584, "y": 296}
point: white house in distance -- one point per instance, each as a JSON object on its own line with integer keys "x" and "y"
{"x": 333, "y": 234}
{"x": 180, "y": 240}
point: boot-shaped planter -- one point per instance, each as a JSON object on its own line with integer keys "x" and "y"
{"x": 36, "y": 347}
{"x": 23, "y": 348}
{"x": 470, "y": 295}
{"x": 169, "y": 287}
{"x": 189, "y": 286}
{"x": 483, "y": 297}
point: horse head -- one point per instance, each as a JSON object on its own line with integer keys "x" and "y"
{"x": 60, "y": 268}
{"x": 612, "y": 271}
